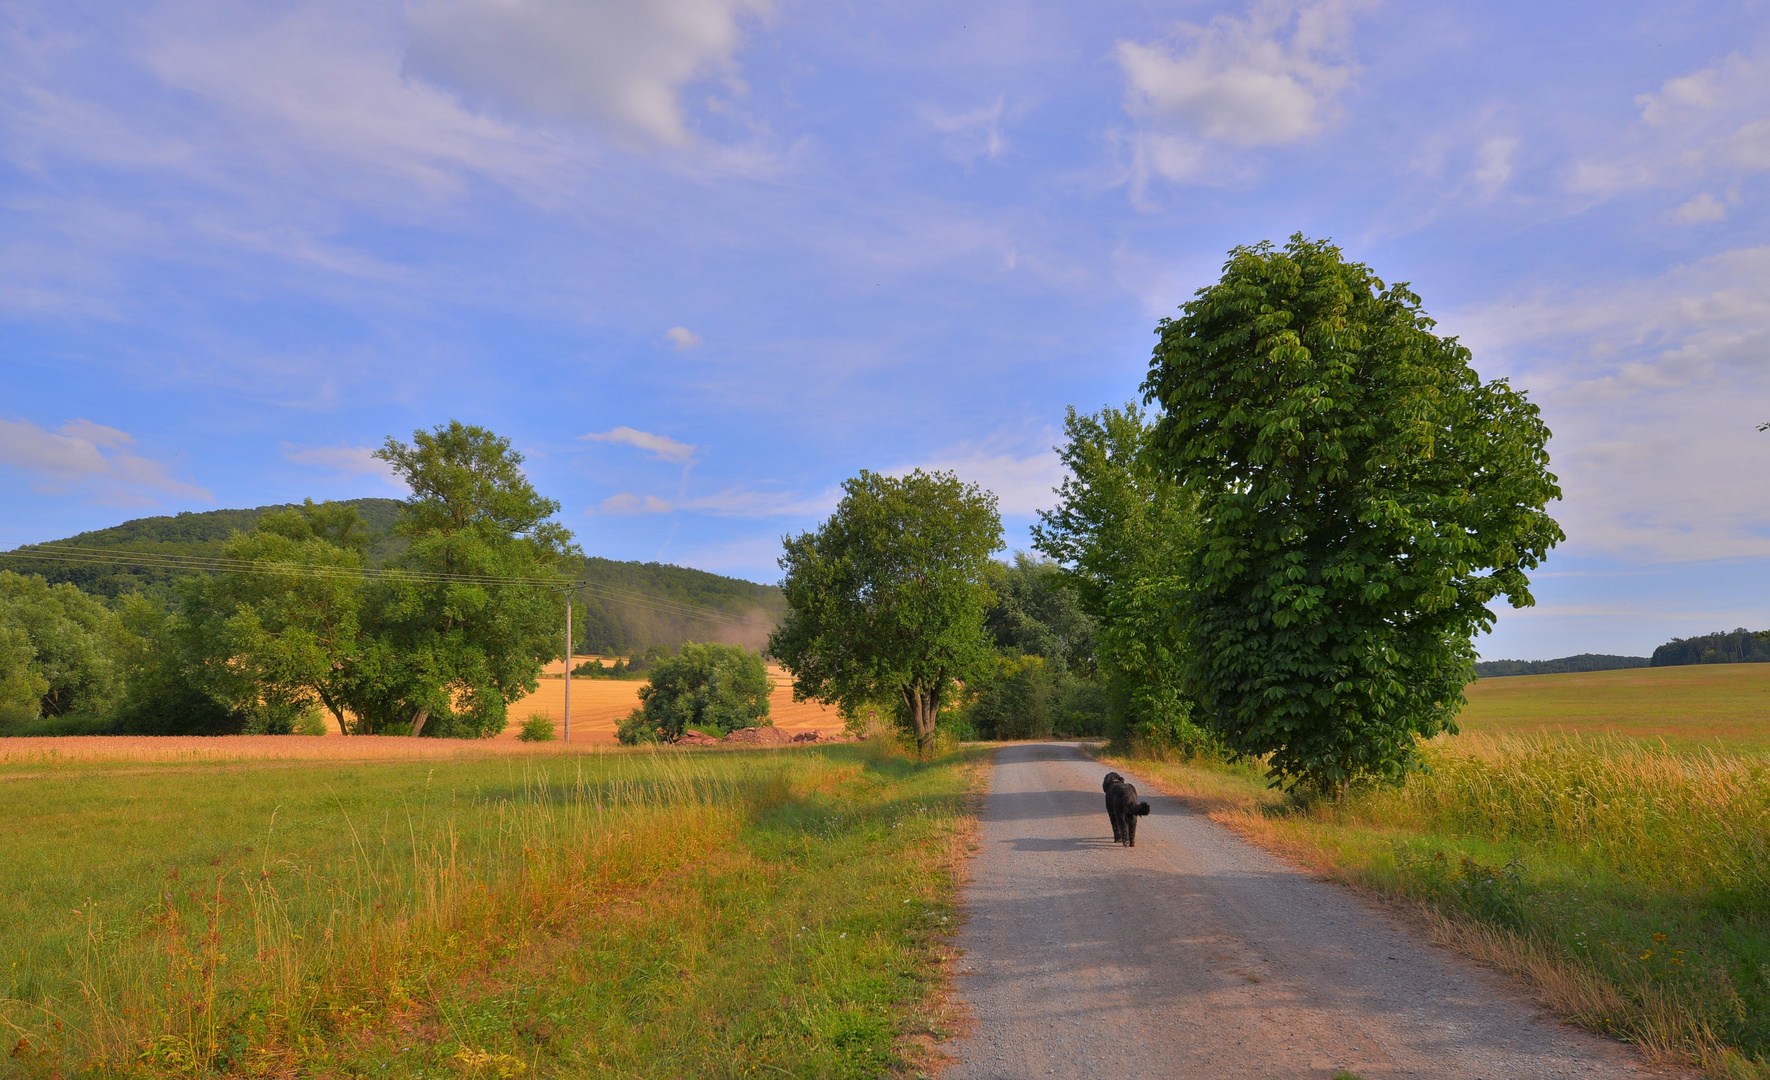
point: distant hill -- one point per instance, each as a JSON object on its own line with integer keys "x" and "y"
{"x": 1738, "y": 647}
{"x": 181, "y": 534}
{"x": 1493, "y": 669}
{"x": 625, "y": 607}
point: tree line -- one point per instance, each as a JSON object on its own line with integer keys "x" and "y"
{"x": 438, "y": 641}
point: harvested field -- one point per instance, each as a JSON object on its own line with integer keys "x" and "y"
{"x": 599, "y": 704}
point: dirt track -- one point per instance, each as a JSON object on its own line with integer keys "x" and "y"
{"x": 1197, "y": 955}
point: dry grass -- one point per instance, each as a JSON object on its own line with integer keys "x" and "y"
{"x": 1629, "y": 884}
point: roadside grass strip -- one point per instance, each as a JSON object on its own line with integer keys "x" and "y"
{"x": 1629, "y": 882}
{"x": 656, "y": 914}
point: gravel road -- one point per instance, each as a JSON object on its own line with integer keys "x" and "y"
{"x": 1197, "y": 955}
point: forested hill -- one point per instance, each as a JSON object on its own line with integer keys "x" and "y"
{"x": 1493, "y": 669}
{"x": 625, "y": 607}
{"x": 180, "y": 534}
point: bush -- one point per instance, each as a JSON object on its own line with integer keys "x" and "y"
{"x": 311, "y": 723}
{"x": 707, "y": 687}
{"x": 1171, "y": 734}
{"x": 537, "y": 728}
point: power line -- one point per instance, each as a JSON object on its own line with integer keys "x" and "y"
{"x": 70, "y": 553}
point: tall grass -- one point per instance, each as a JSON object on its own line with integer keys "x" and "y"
{"x": 271, "y": 966}
{"x": 1629, "y": 880}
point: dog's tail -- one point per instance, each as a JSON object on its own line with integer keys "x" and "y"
{"x": 1142, "y": 809}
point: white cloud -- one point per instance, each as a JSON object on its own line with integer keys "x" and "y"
{"x": 682, "y": 337}
{"x": 347, "y": 460}
{"x": 1711, "y": 123}
{"x": 971, "y": 134}
{"x": 660, "y": 446}
{"x": 743, "y": 503}
{"x": 622, "y": 62}
{"x": 1493, "y": 164}
{"x": 1024, "y": 484}
{"x": 1270, "y": 78}
{"x": 628, "y": 503}
{"x": 1702, "y": 209}
{"x": 1654, "y": 389}
{"x": 82, "y": 453}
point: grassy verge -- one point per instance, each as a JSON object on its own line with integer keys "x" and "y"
{"x": 620, "y": 914}
{"x": 1630, "y": 883}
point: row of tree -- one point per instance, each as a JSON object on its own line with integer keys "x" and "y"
{"x": 439, "y": 641}
{"x": 1295, "y": 550}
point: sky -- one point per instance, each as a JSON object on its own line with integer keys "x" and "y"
{"x": 702, "y": 260}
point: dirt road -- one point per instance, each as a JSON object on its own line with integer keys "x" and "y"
{"x": 1195, "y": 955}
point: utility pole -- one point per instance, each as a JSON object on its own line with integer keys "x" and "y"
{"x": 567, "y": 737}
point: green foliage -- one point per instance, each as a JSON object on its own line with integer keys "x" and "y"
{"x": 165, "y": 692}
{"x": 620, "y": 613}
{"x": 1038, "y": 612}
{"x": 710, "y": 688}
{"x": 273, "y": 645}
{"x": 537, "y": 728}
{"x": 1742, "y": 646}
{"x": 58, "y": 651}
{"x": 1029, "y": 697}
{"x": 1172, "y": 735}
{"x": 1363, "y": 496}
{"x": 1493, "y": 669}
{"x": 452, "y": 654}
{"x": 886, "y": 601}
{"x": 1121, "y": 530}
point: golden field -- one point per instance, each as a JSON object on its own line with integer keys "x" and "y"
{"x": 1718, "y": 705}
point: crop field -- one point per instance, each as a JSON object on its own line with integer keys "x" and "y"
{"x": 1605, "y": 836}
{"x": 485, "y": 914}
{"x": 1717, "y": 705}
{"x": 599, "y": 704}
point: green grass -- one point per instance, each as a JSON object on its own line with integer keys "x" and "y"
{"x": 1629, "y": 881}
{"x": 1700, "y": 705}
{"x": 664, "y": 914}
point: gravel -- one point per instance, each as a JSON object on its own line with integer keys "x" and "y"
{"x": 1197, "y": 955}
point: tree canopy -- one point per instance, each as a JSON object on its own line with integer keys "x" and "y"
{"x": 886, "y": 601}
{"x": 1363, "y": 496}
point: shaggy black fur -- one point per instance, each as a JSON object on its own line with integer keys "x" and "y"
{"x": 1123, "y": 808}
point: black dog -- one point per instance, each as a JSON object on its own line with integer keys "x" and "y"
{"x": 1123, "y": 808}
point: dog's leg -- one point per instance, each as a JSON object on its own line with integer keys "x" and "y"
{"x": 1130, "y": 830}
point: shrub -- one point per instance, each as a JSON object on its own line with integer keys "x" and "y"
{"x": 1171, "y": 734}
{"x": 707, "y": 687}
{"x": 537, "y": 728}
{"x": 311, "y": 723}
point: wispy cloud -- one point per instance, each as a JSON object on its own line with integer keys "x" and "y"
{"x": 682, "y": 337}
{"x": 661, "y": 447}
{"x": 1024, "y": 483}
{"x": 628, "y": 503}
{"x": 1654, "y": 389}
{"x": 90, "y": 457}
{"x": 745, "y": 503}
{"x": 344, "y": 460}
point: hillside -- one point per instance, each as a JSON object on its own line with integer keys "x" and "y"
{"x": 1739, "y": 647}
{"x": 624, "y": 607}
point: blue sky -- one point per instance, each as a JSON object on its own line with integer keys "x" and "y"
{"x": 703, "y": 259}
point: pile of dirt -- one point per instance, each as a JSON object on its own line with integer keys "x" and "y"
{"x": 758, "y": 736}
{"x": 691, "y": 737}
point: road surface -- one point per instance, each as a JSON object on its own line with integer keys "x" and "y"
{"x": 1196, "y": 955}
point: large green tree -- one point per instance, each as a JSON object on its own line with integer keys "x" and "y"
{"x": 283, "y": 635}
{"x": 886, "y": 601}
{"x": 482, "y": 608}
{"x": 1363, "y": 495}
{"x": 1122, "y": 529}
{"x": 708, "y": 687}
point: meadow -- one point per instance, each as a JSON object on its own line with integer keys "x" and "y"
{"x": 1605, "y": 836}
{"x": 485, "y": 914}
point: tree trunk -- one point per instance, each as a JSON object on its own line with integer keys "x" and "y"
{"x": 924, "y": 708}
{"x": 418, "y": 720}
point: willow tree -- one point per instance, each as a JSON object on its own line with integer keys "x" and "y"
{"x": 886, "y": 601}
{"x": 1363, "y": 496}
